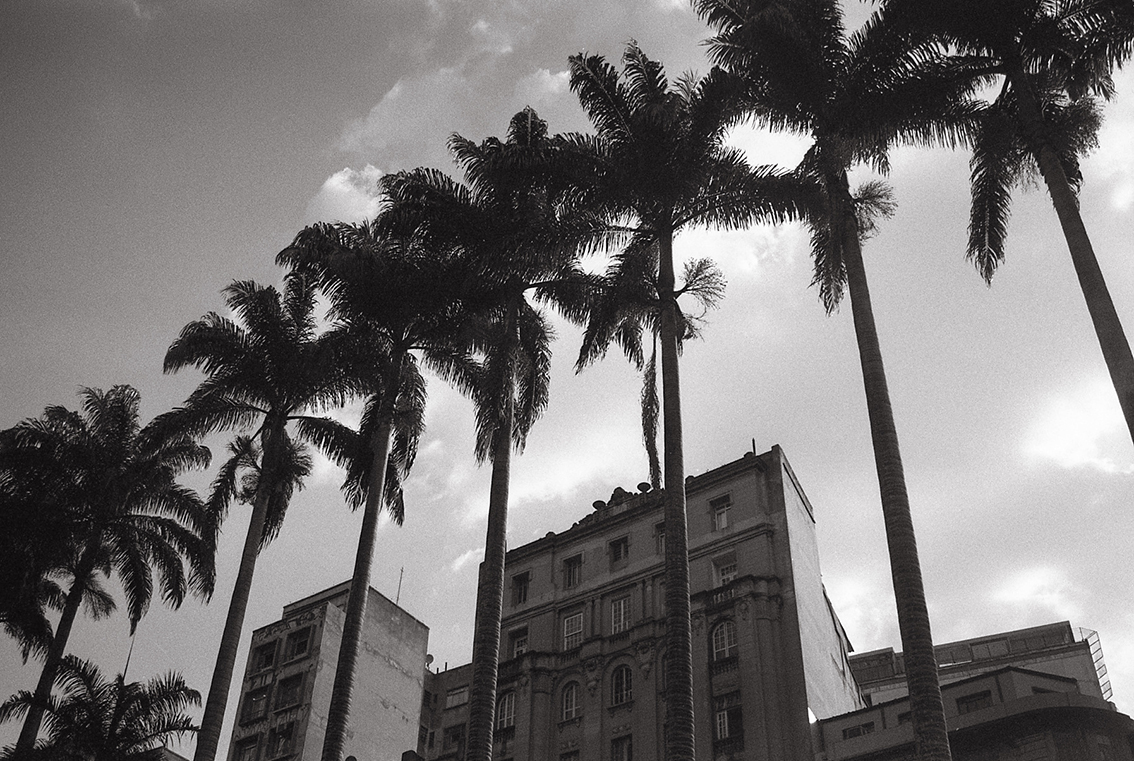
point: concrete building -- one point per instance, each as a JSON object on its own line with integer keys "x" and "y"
{"x": 291, "y": 669}
{"x": 1027, "y": 695}
{"x": 582, "y": 641}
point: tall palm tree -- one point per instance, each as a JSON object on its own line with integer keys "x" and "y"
{"x": 1050, "y": 57}
{"x": 395, "y": 300}
{"x": 266, "y": 373}
{"x": 854, "y": 96}
{"x": 113, "y": 485}
{"x": 657, "y": 165}
{"x": 519, "y": 249}
{"x": 99, "y": 720}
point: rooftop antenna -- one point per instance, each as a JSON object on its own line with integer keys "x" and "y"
{"x": 754, "y": 445}
{"x": 398, "y": 596}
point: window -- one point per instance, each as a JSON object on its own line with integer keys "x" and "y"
{"x": 619, "y": 551}
{"x": 622, "y": 686}
{"x": 264, "y": 656}
{"x": 619, "y": 615}
{"x": 572, "y": 631}
{"x": 520, "y": 588}
{"x": 246, "y": 749}
{"x": 724, "y": 641}
{"x": 727, "y": 719}
{"x": 905, "y": 717}
{"x": 974, "y": 702}
{"x": 281, "y": 741}
{"x": 287, "y": 694}
{"x": 453, "y": 738}
{"x": 571, "y": 707}
{"x": 519, "y": 642}
{"x": 506, "y": 710}
{"x": 457, "y": 696}
{"x": 573, "y": 571}
{"x": 570, "y": 756}
{"x": 726, "y": 573}
{"x": 255, "y": 704}
{"x": 297, "y": 644}
{"x": 622, "y": 749}
{"x": 720, "y": 507}
{"x": 859, "y": 730}
{"x": 659, "y": 539}
{"x": 426, "y": 698}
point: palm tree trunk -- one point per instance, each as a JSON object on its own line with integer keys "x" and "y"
{"x": 490, "y": 596}
{"x": 338, "y": 714}
{"x": 680, "y": 737}
{"x": 930, "y": 733}
{"x": 212, "y": 722}
{"x": 1108, "y": 328}
{"x": 30, "y": 729}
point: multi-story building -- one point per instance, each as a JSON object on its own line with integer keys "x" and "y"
{"x": 1027, "y": 695}
{"x": 291, "y": 669}
{"x": 582, "y": 642}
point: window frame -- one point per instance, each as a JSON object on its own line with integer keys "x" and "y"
{"x": 458, "y": 696}
{"x": 728, "y": 717}
{"x": 246, "y": 744}
{"x": 569, "y": 710}
{"x": 521, "y": 584}
{"x": 506, "y": 710}
{"x": 622, "y": 748}
{"x": 621, "y": 685}
{"x": 281, "y": 694}
{"x": 724, "y": 640}
{"x": 620, "y": 614}
{"x": 250, "y": 699}
{"x": 518, "y": 642}
{"x": 281, "y": 743}
{"x": 299, "y": 635}
{"x": 619, "y": 551}
{"x": 258, "y": 660}
{"x": 574, "y": 638}
{"x": 720, "y": 508}
{"x": 573, "y": 571}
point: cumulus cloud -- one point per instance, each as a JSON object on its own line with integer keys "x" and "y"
{"x": 1040, "y": 587}
{"x": 865, "y": 609}
{"x": 474, "y": 555}
{"x": 348, "y": 195}
{"x": 541, "y": 87}
{"x": 1083, "y": 427}
{"x": 1113, "y": 163}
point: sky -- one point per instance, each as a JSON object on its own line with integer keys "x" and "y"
{"x": 153, "y": 152}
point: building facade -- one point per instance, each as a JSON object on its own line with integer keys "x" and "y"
{"x": 286, "y": 690}
{"x": 582, "y": 636}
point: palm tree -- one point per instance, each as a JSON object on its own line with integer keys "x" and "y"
{"x": 855, "y": 97}
{"x": 1050, "y": 56}
{"x": 503, "y": 219}
{"x": 657, "y": 165}
{"x": 395, "y": 300}
{"x": 112, "y": 485}
{"x": 266, "y": 372}
{"x": 99, "y": 720}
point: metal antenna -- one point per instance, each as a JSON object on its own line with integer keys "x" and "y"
{"x": 398, "y": 597}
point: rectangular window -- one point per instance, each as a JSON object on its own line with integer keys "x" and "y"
{"x": 728, "y": 721}
{"x": 720, "y": 507}
{"x": 571, "y": 756}
{"x": 726, "y": 574}
{"x": 974, "y": 702}
{"x": 297, "y": 644}
{"x": 519, "y": 642}
{"x": 453, "y": 738}
{"x": 246, "y": 749}
{"x": 905, "y": 717}
{"x": 255, "y": 704}
{"x": 506, "y": 710}
{"x": 659, "y": 539}
{"x": 457, "y": 697}
{"x": 619, "y": 615}
{"x": 287, "y": 694}
{"x": 281, "y": 741}
{"x": 622, "y": 749}
{"x": 573, "y": 571}
{"x": 619, "y": 550}
{"x": 520, "y": 588}
{"x": 572, "y": 631}
{"x": 264, "y": 656}
{"x": 859, "y": 730}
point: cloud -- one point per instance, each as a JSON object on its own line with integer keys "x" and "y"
{"x": 1113, "y": 162}
{"x": 865, "y": 610}
{"x": 1083, "y": 427}
{"x": 764, "y": 147}
{"x": 348, "y": 195}
{"x": 474, "y": 555}
{"x": 541, "y": 87}
{"x": 1040, "y": 587}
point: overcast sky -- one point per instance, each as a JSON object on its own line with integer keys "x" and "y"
{"x": 152, "y": 152}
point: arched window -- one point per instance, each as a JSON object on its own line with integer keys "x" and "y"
{"x": 622, "y": 686}
{"x": 724, "y": 640}
{"x": 571, "y": 708}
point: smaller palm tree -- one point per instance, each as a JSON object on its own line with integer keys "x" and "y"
{"x": 99, "y": 720}
{"x": 111, "y": 486}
